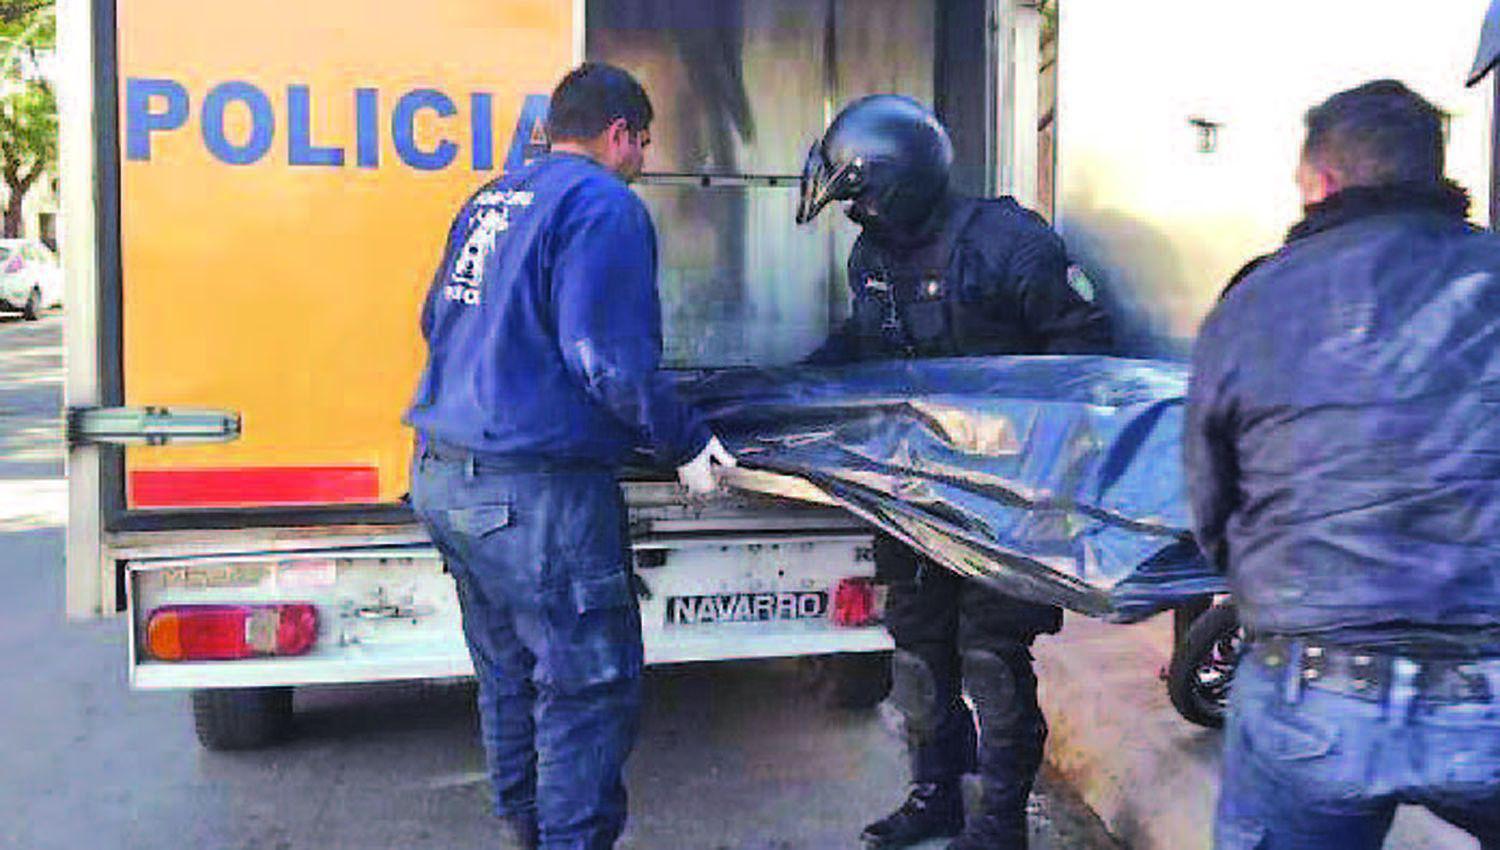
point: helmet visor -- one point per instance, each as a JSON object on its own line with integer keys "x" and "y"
{"x": 816, "y": 185}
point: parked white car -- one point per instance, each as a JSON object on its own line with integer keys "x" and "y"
{"x": 30, "y": 279}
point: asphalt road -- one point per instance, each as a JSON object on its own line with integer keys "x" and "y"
{"x": 732, "y": 757}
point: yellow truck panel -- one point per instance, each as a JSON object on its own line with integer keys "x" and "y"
{"x": 287, "y": 176}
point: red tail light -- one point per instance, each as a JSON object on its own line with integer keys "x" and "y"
{"x": 230, "y": 632}
{"x": 857, "y": 602}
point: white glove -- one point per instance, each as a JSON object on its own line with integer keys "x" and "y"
{"x": 697, "y": 475}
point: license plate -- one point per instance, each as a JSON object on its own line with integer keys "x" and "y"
{"x": 747, "y": 607}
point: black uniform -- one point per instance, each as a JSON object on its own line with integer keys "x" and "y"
{"x": 983, "y": 277}
{"x": 937, "y": 275}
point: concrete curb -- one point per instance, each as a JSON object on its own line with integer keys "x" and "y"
{"x": 1152, "y": 777}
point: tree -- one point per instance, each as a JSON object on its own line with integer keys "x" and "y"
{"x": 28, "y": 147}
{"x": 28, "y": 105}
{"x": 12, "y": 11}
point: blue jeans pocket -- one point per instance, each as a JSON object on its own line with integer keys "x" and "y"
{"x": 479, "y": 520}
{"x": 595, "y": 629}
{"x": 601, "y": 592}
{"x": 1309, "y": 751}
{"x": 1289, "y": 737}
{"x": 1461, "y": 743}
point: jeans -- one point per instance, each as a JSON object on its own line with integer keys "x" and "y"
{"x": 1311, "y": 769}
{"x": 540, "y": 560}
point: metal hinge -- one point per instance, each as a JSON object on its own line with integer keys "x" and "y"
{"x": 150, "y": 426}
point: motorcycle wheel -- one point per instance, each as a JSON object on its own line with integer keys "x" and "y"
{"x": 1203, "y": 665}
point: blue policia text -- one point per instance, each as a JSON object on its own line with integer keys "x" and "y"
{"x": 155, "y": 105}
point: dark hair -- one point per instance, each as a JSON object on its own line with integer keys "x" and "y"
{"x": 591, "y": 97}
{"x": 1375, "y": 134}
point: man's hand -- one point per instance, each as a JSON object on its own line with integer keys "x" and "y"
{"x": 697, "y": 475}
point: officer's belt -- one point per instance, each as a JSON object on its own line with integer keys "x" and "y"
{"x": 1369, "y": 675}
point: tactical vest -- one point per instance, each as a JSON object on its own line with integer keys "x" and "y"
{"x": 924, "y": 302}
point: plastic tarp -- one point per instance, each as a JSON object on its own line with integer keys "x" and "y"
{"x": 1055, "y": 479}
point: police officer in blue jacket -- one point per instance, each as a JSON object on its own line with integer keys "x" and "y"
{"x": 1342, "y": 441}
{"x": 543, "y": 333}
{"x": 937, "y": 274}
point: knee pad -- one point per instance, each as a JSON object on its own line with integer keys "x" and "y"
{"x": 914, "y": 693}
{"x": 1001, "y": 699}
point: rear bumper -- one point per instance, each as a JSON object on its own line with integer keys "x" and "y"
{"x": 392, "y": 613}
{"x": 454, "y": 662}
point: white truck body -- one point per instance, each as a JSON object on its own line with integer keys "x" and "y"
{"x": 1092, "y": 110}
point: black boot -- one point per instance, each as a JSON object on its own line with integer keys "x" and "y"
{"x": 933, "y": 810}
{"x": 1012, "y": 734}
{"x": 993, "y": 831}
{"x": 1000, "y": 822}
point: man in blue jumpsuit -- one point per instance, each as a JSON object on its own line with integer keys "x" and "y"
{"x": 1343, "y": 459}
{"x": 937, "y": 274}
{"x": 543, "y": 332}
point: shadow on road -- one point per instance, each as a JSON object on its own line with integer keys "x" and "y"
{"x": 369, "y": 712}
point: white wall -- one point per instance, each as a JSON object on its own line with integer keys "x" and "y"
{"x": 1163, "y": 225}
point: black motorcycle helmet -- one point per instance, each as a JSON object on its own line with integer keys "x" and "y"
{"x": 887, "y": 154}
